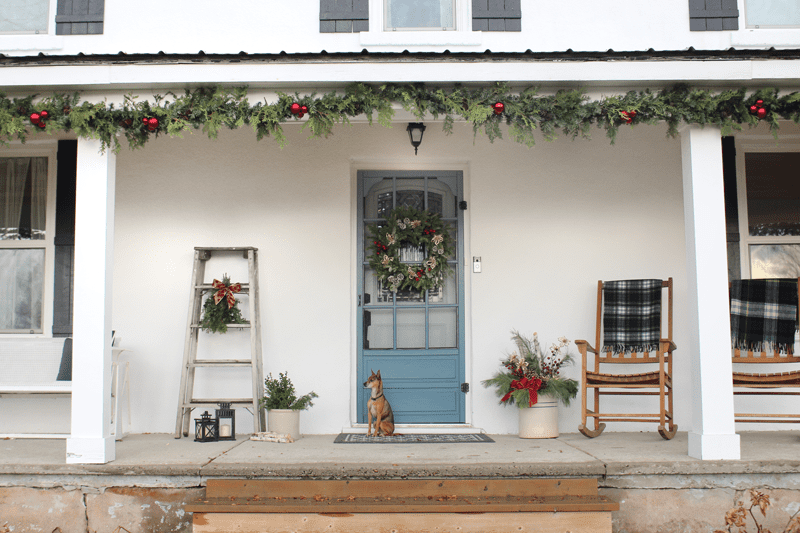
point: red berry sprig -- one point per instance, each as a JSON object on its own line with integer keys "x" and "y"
{"x": 628, "y": 116}
{"x": 758, "y": 109}
{"x": 498, "y": 108}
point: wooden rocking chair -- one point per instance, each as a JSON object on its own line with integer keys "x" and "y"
{"x": 776, "y": 383}
{"x": 596, "y": 383}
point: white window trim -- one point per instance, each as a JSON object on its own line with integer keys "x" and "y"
{"x": 750, "y": 35}
{"x": 461, "y": 36}
{"x": 48, "y": 243}
{"x": 761, "y": 144}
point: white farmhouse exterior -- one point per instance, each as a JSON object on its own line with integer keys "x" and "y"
{"x": 547, "y": 222}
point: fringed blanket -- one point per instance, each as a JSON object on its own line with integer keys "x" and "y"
{"x": 631, "y": 315}
{"x": 763, "y": 314}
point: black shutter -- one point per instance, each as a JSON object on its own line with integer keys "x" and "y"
{"x": 713, "y": 15}
{"x": 79, "y": 17}
{"x": 343, "y": 16}
{"x": 63, "y": 286}
{"x": 496, "y": 15}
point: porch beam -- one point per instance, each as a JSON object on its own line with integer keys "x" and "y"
{"x": 713, "y": 434}
{"x": 91, "y": 440}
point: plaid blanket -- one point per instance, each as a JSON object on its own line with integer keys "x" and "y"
{"x": 631, "y": 315}
{"x": 763, "y": 314}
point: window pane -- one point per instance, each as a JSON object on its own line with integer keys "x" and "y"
{"x": 773, "y": 194}
{"x": 443, "y": 329}
{"x": 411, "y": 328}
{"x": 378, "y": 330}
{"x": 772, "y": 13}
{"x": 23, "y": 198}
{"x": 21, "y": 284}
{"x": 23, "y": 16}
{"x": 414, "y": 14}
{"x": 774, "y": 261}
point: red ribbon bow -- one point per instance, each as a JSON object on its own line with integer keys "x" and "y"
{"x": 226, "y": 291}
{"x": 532, "y": 384}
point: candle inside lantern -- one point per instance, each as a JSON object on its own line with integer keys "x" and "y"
{"x": 225, "y": 430}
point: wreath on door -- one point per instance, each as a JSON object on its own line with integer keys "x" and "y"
{"x": 410, "y": 250}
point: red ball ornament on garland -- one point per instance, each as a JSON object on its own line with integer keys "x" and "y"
{"x": 761, "y": 113}
{"x": 295, "y": 109}
{"x": 759, "y": 102}
{"x": 754, "y": 109}
{"x": 42, "y": 124}
{"x": 629, "y": 116}
{"x": 145, "y": 121}
{"x": 35, "y": 117}
{"x": 152, "y": 124}
{"x": 44, "y": 114}
{"x": 498, "y": 108}
{"x": 303, "y": 110}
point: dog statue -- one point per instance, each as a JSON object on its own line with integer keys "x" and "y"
{"x": 378, "y": 407}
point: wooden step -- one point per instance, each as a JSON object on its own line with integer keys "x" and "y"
{"x": 444, "y": 506}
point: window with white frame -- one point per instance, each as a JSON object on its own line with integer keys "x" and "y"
{"x": 26, "y": 241}
{"x": 769, "y": 211}
{"x": 24, "y": 16}
{"x": 772, "y": 13}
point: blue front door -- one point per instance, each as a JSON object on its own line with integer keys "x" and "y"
{"x": 416, "y": 341}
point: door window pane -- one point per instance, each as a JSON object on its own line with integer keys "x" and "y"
{"x": 772, "y": 13}
{"x": 773, "y": 193}
{"x": 419, "y": 14}
{"x": 21, "y": 275}
{"x": 443, "y": 331}
{"x": 24, "y": 16}
{"x": 378, "y": 329}
{"x": 774, "y": 261}
{"x": 411, "y": 328}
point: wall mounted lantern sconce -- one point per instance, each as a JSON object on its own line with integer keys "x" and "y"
{"x": 415, "y": 131}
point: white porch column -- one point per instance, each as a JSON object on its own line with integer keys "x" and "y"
{"x": 713, "y": 434}
{"x": 90, "y": 441}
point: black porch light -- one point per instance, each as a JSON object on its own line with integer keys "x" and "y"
{"x": 415, "y": 131}
{"x": 206, "y": 429}
{"x": 226, "y": 418}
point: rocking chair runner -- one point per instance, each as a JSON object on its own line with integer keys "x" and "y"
{"x": 764, "y": 319}
{"x": 629, "y": 312}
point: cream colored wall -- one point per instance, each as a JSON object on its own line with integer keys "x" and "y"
{"x": 548, "y": 222}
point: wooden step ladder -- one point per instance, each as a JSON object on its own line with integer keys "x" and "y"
{"x": 186, "y": 401}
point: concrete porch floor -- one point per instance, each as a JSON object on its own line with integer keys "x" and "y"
{"x": 658, "y": 486}
{"x": 317, "y": 456}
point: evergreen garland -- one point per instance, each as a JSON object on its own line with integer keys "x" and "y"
{"x": 217, "y": 316}
{"x": 570, "y": 112}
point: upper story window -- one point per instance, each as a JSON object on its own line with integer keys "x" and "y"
{"x": 345, "y": 16}
{"x": 772, "y": 13}
{"x": 419, "y": 15}
{"x": 24, "y": 16}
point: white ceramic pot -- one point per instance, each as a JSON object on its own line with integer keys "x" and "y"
{"x": 284, "y": 421}
{"x": 541, "y": 420}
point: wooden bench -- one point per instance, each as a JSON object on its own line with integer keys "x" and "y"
{"x": 375, "y": 506}
{"x": 31, "y": 366}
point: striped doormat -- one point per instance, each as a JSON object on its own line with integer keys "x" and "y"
{"x": 361, "y": 438}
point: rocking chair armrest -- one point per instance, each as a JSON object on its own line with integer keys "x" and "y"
{"x": 584, "y": 345}
{"x": 670, "y": 344}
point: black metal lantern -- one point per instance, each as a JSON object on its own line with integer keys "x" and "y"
{"x": 226, "y": 421}
{"x": 415, "y": 131}
{"x": 206, "y": 428}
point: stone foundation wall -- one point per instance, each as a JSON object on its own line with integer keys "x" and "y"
{"x": 74, "y": 509}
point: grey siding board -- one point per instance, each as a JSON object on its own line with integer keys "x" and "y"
{"x": 713, "y": 15}
{"x": 496, "y": 15}
{"x": 79, "y": 17}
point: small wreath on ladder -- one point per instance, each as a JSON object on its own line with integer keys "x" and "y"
{"x": 410, "y": 251}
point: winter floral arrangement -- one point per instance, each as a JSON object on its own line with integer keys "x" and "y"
{"x": 533, "y": 372}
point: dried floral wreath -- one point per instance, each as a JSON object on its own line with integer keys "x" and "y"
{"x": 399, "y": 246}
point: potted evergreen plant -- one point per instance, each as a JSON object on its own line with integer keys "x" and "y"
{"x": 532, "y": 379}
{"x": 283, "y": 406}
